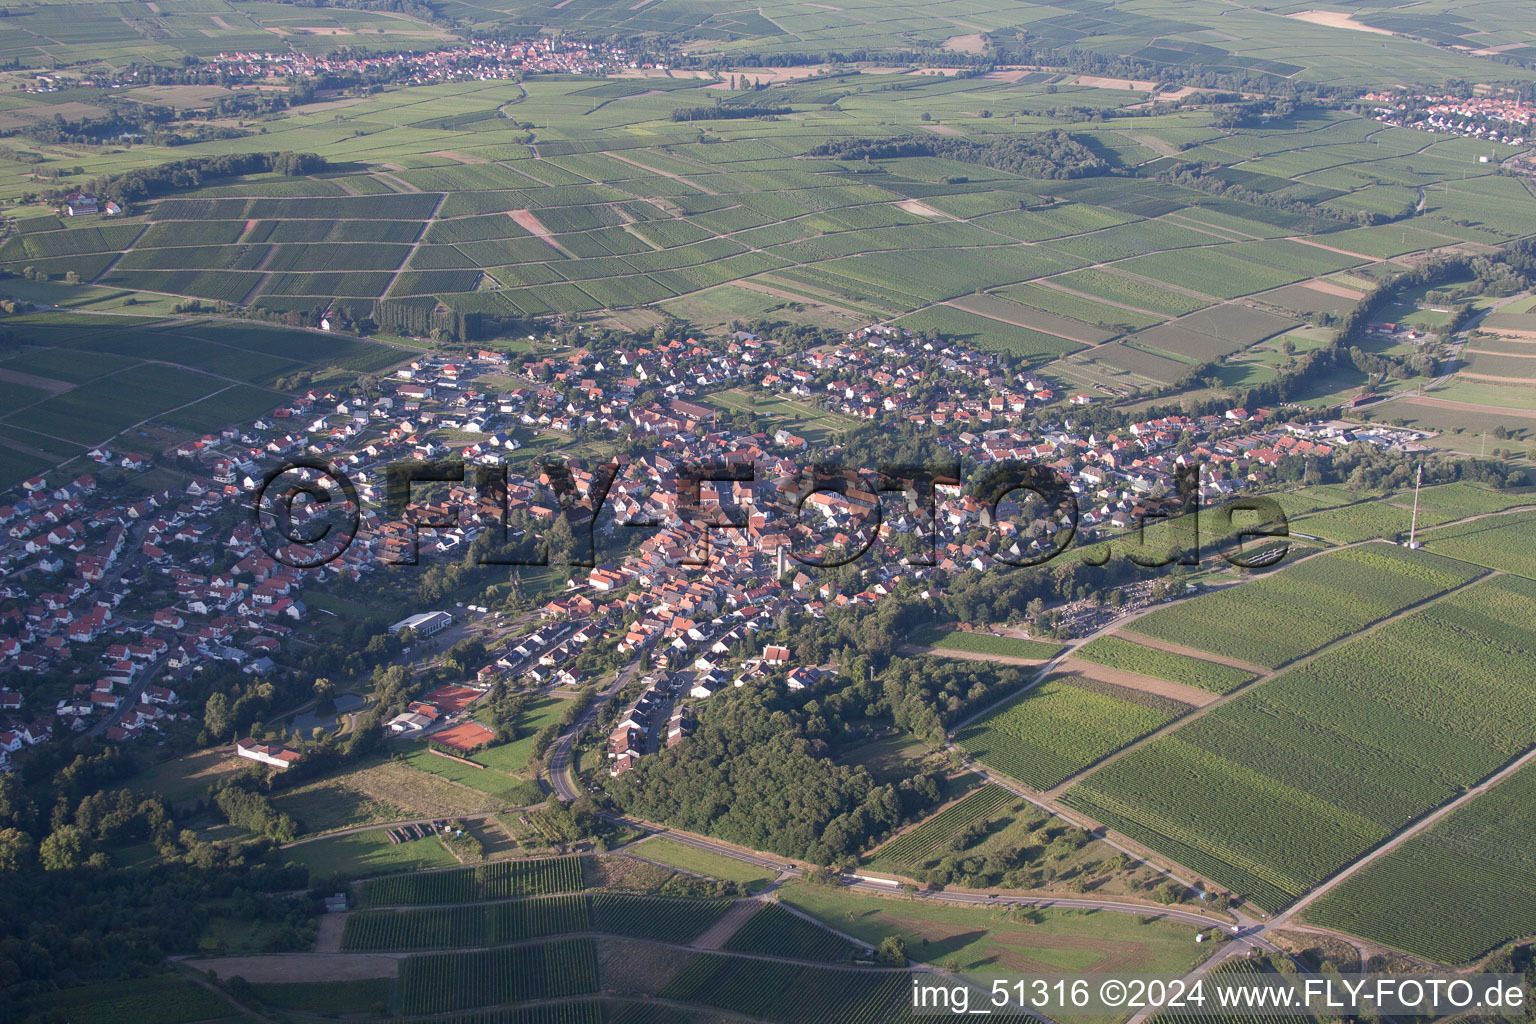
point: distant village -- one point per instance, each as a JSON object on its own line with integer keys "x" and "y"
{"x": 148, "y": 581}
{"x": 467, "y": 62}
{"x": 1494, "y": 118}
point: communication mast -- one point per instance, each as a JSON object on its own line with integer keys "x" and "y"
{"x": 1413, "y": 526}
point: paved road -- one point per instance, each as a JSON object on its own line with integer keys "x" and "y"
{"x": 561, "y": 775}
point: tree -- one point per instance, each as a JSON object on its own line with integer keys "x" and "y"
{"x": 15, "y": 849}
{"x": 892, "y": 951}
{"x": 218, "y": 717}
{"x": 64, "y": 849}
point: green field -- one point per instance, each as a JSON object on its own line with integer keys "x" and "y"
{"x": 1061, "y": 727}
{"x": 1272, "y": 793}
{"x": 433, "y": 983}
{"x": 943, "y": 639}
{"x": 1320, "y": 600}
{"x": 498, "y": 880}
{"x": 774, "y": 931}
{"x": 369, "y": 853}
{"x": 492, "y": 924}
{"x": 1479, "y": 856}
{"x": 159, "y": 999}
{"x": 996, "y": 940}
{"x": 700, "y": 862}
{"x": 1118, "y": 652}
{"x": 912, "y": 846}
{"x": 369, "y": 995}
{"x": 1497, "y": 542}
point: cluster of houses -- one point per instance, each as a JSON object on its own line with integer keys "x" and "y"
{"x": 477, "y": 61}
{"x": 710, "y": 570}
{"x": 652, "y": 721}
{"x": 1504, "y": 119}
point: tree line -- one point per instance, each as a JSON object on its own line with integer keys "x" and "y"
{"x": 1050, "y": 154}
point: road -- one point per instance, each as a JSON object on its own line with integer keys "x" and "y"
{"x": 561, "y": 774}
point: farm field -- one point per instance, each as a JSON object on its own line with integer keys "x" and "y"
{"x": 702, "y": 862}
{"x": 1343, "y": 751}
{"x": 158, "y": 999}
{"x": 1479, "y": 857}
{"x": 1063, "y": 726}
{"x": 777, "y": 932}
{"x": 367, "y": 995}
{"x": 1118, "y": 652}
{"x": 361, "y": 854}
{"x": 997, "y": 940}
{"x": 438, "y": 982}
{"x": 627, "y": 208}
{"x": 911, "y": 847}
{"x": 941, "y": 639}
{"x": 494, "y": 881}
{"x": 1321, "y": 599}
{"x": 492, "y": 924}
{"x": 1498, "y": 542}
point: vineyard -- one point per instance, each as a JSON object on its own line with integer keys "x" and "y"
{"x": 791, "y": 994}
{"x": 1117, "y": 652}
{"x": 582, "y": 1011}
{"x": 1503, "y": 542}
{"x": 1481, "y": 856}
{"x": 914, "y": 846}
{"x": 778, "y": 932}
{"x": 1056, "y": 730}
{"x": 649, "y": 917}
{"x": 1231, "y": 971}
{"x": 456, "y": 981}
{"x": 1319, "y": 600}
{"x": 496, "y": 881}
{"x": 1277, "y": 790}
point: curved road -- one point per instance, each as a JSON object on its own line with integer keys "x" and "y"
{"x": 562, "y": 777}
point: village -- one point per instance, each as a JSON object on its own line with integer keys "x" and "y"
{"x": 1494, "y": 118}
{"x": 478, "y": 61}
{"x": 169, "y": 582}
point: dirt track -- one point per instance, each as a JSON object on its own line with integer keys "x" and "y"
{"x": 1190, "y": 695}
{"x": 1190, "y": 652}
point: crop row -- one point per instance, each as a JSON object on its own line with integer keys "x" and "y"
{"x": 668, "y": 920}
{"x": 1056, "y": 730}
{"x": 496, "y": 881}
{"x": 911, "y": 847}
{"x": 1277, "y": 790}
{"x": 457, "y": 981}
{"x": 792, "y": 994}
{"x": 1319, "y": 601}
{"x": 778, "y": 932}
{"x": 1117, "y": 652}
{"x": 1480, "y": 857}
{"x": 580, "y": 1011}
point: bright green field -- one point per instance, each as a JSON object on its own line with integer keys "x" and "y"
{"x": 678, "y": 855}
{"x": 369, "y": 853}
{"x": 976, "y": 940}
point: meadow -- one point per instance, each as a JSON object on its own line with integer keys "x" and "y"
{"x": 1024, "y": 941}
